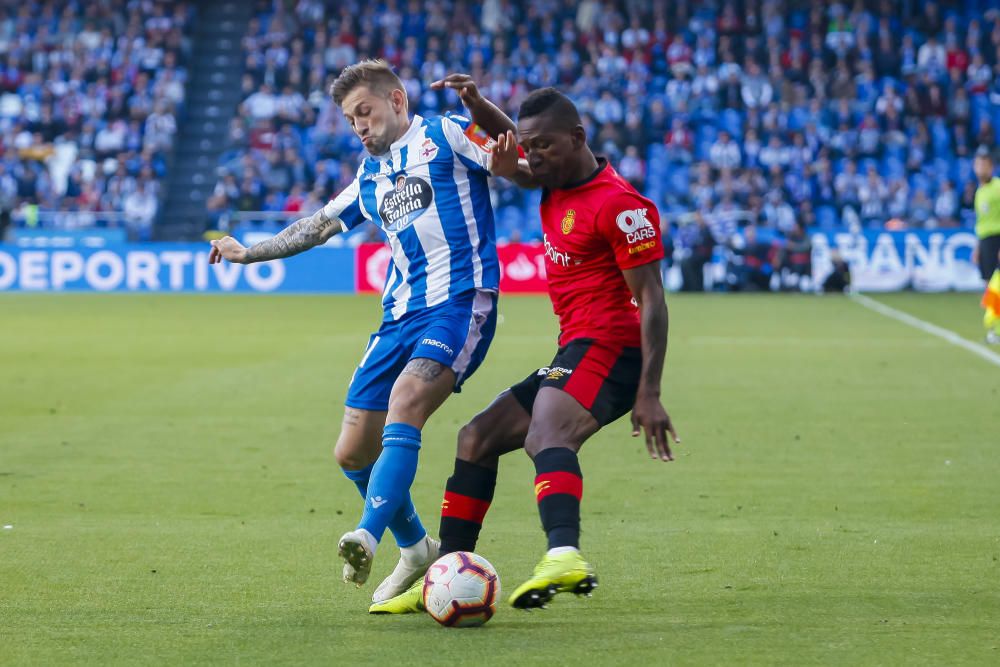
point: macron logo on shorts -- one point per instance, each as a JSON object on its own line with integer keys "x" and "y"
{"x": 438, "y": 344}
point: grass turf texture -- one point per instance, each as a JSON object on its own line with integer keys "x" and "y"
{"x": 165, "y": 463}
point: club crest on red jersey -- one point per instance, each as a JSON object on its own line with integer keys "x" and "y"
{"x": 568, "y": 221}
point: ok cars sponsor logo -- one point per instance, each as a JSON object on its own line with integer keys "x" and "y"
{"x": 635, "y": 225}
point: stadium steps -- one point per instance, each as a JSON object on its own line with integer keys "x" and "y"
{"x": 213, "y": 93}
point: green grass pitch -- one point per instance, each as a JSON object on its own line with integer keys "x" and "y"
{"x": 165, "y": 465}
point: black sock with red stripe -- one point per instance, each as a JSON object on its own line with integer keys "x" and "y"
{"x": 558, "y": 489}
{"x": 467, "y": 497}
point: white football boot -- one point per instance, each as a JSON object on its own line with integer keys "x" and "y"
{"x": 413, "y": 563}
{"x": 357, "y": 548}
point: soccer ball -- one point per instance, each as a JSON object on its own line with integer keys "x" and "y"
{"x": 461, "y": 590}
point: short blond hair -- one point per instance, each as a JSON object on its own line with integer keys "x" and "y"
{"x": 376, "y": 75}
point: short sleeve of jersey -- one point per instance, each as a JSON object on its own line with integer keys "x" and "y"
{"x": 468, "y": 141}
{"x": 346, "y": 207}
{"x": 632, "y": 227}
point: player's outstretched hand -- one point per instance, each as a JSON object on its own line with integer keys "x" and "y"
{"x": 649, "y": 415}
{"x": 504, "y": 159}
{"x": 227, "y": 248}
{"x": 467, "y": 89}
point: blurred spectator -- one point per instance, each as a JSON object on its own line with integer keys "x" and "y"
{"x": 750, "y": 262}
{"x": 839, "y": 279}
{"x": 725, "y": 153}
{"x": 946, "y": 205}
{"x": 632, "y": 168}
{"x": 699, "y": 245}
{"x": 679, "y": 142}
{"x": 795, "y": 260}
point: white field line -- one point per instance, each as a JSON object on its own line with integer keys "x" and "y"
{"x": 927, "y": 327}
{"x": 783, "y": 341}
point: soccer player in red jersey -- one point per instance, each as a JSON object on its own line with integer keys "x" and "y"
{"x": 603, "y": 249}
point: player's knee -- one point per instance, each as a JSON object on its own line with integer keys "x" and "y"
{"x": 409, "y": 407}
{"x": 533, "y": 443}
{"x": 474, "y": 444}
{"x": 538, "y": 440}
{"x": 348, "y": 456}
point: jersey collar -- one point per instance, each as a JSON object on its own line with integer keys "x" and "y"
{"x": 602, "y": 164}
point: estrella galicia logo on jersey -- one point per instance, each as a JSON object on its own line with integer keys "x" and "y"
{"x": 568, "y": 221}
{"x": 635, "y": 225}
{"x": 410, "y": 197}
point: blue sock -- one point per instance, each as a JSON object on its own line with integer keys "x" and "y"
{"x": 392, "y": 475}
{"x": 405, "y": 525}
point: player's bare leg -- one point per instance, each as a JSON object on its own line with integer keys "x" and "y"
{"x": 357, "y": 448}
{"x": 498, "y": 429}
{"x": 420, "y": 389}
{"x": 559, "y": 427}
{"x": 360, "y": 439}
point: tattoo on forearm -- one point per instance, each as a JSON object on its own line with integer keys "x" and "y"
{"x": 425, "y": 369}
{"x": 301, "y": 235}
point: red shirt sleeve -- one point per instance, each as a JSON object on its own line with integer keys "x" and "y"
{"x": 631, "y": 225}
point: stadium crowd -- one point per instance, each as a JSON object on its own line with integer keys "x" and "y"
{"x": 89, "y": 98}
{"x": 779, "y": 114}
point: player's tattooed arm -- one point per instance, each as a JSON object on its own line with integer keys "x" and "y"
{"x": 427, "y": 370}
{"x": 649, "y": 414}
{"x": 301, "y": 235}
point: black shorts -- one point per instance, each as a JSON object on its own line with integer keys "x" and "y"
{"x": 601, "y": 376}
{"x": 989, "y": 248}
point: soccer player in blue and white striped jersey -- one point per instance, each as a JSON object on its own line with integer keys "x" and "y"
{"x": 425, "y": 184}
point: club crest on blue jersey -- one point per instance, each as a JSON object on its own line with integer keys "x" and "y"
{"x": 410, "y": 197}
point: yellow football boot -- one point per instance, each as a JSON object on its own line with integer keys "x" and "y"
{"x": 565, "y": 572}
{"x": 410, "y": 601}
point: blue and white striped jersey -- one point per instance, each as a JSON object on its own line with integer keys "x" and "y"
{"x": 430, "y": 195}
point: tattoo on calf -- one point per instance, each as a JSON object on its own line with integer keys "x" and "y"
{"x": 427, "y": 370}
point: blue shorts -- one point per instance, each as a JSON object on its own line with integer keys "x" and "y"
{"x": 456, "y": 333}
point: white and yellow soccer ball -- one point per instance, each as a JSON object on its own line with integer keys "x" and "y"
{"x": 461, "y": 590}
